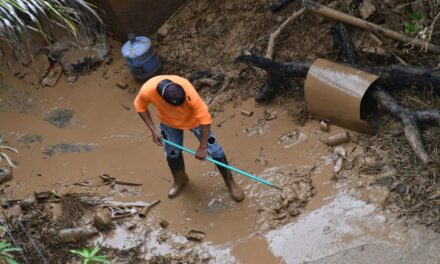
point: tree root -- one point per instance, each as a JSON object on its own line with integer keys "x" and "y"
{"x": 410, "y": 119}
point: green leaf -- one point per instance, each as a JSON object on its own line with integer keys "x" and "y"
{"x": 79, "y": 252}
{"x": 416, "y": 16}
{"x": 410, "y": 28}
{"x": 11, "y": 260}
{"x": 94, "y": 250}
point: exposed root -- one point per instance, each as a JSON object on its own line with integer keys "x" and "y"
{"x": 410, "y": 120}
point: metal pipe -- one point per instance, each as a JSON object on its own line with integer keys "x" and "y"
{"x": 253, "y": 177}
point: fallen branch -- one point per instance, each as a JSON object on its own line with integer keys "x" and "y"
{"x": 274, "y": 35}
{"x": 274, "y": 81}
{"x": 357, "y": 22}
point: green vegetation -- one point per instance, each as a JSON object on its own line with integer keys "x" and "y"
{"x": 89, "y": 255}
{"x": 5, "y": 252}
{"x": 411, "y": 27}
{"x": 18, "y": 18}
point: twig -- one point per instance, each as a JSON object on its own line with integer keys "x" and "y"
{"x": 274, "y": 35}
{"x": 357, "y": 22}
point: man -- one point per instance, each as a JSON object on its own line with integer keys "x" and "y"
{"x": 179, "y": 107}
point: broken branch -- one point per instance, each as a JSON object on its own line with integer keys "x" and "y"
{"x": 357, "y": 22}
{"x": 274, "y": 35}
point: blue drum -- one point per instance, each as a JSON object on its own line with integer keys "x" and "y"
{"x": 140, "y": 57}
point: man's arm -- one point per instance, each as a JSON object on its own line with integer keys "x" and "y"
{"x": 157, "y": 137}
{"x": 204, "y": 135}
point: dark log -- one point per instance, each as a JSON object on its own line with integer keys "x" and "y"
{"x": 392, "y": 76}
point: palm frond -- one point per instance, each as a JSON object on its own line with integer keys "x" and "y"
{"x": 19, "y": 17}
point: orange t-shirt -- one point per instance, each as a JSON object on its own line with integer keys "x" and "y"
{"x": 192, "y": 113}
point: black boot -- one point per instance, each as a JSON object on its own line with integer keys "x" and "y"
{"x": 236, "y": 192}
{"x": 177, "y": 167}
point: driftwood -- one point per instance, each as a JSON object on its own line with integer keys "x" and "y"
{"x": 357, "y": 22}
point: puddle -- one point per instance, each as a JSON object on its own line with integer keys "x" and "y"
{"x": 342, "y": 224}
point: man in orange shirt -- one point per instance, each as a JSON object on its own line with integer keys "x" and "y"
{"x": 179, "y": 107}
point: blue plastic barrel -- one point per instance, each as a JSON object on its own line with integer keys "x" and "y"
{"x": 140, "y": 57}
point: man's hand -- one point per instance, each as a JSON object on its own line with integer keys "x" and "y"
{"x": 157, "y": 138}
{"x": 201, "y": 153}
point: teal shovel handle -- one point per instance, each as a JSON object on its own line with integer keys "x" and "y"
{"x": 192, "y": 152}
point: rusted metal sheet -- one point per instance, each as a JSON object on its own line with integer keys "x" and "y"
{"x": 141, "y": 17}
{"x": 334, "y": 92}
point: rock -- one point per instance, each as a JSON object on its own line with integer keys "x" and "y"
{"x": 340, "y": 151}
{"x": 268, "y": 116}
{"x": 5, "y": 175}
{"x": 102, "y": 219}
{"x": 164, "y": 223}
{"x": 52, "y": 75}
{"x": 195, "y": 235}
{"x": 337, "y": 167}
{"x": 367, "y": 8}
{"x": 27, "y": 203}
{"x": 323, "y": 126}
{"x": 401, "y": 188}
{"x": 122, "y": 85}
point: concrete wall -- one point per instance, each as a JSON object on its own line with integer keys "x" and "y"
{"x": 141, "y": 17}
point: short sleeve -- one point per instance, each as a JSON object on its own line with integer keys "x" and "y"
{"x": 141, "y": 102}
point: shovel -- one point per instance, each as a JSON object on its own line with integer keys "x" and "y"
{"x": 253, "y": 177}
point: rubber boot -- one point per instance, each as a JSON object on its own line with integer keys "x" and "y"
{"x": 236, "y": 192}
{"x": 177, "y": 167}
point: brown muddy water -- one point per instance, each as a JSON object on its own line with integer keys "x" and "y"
{"x": 327, "y": 219}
